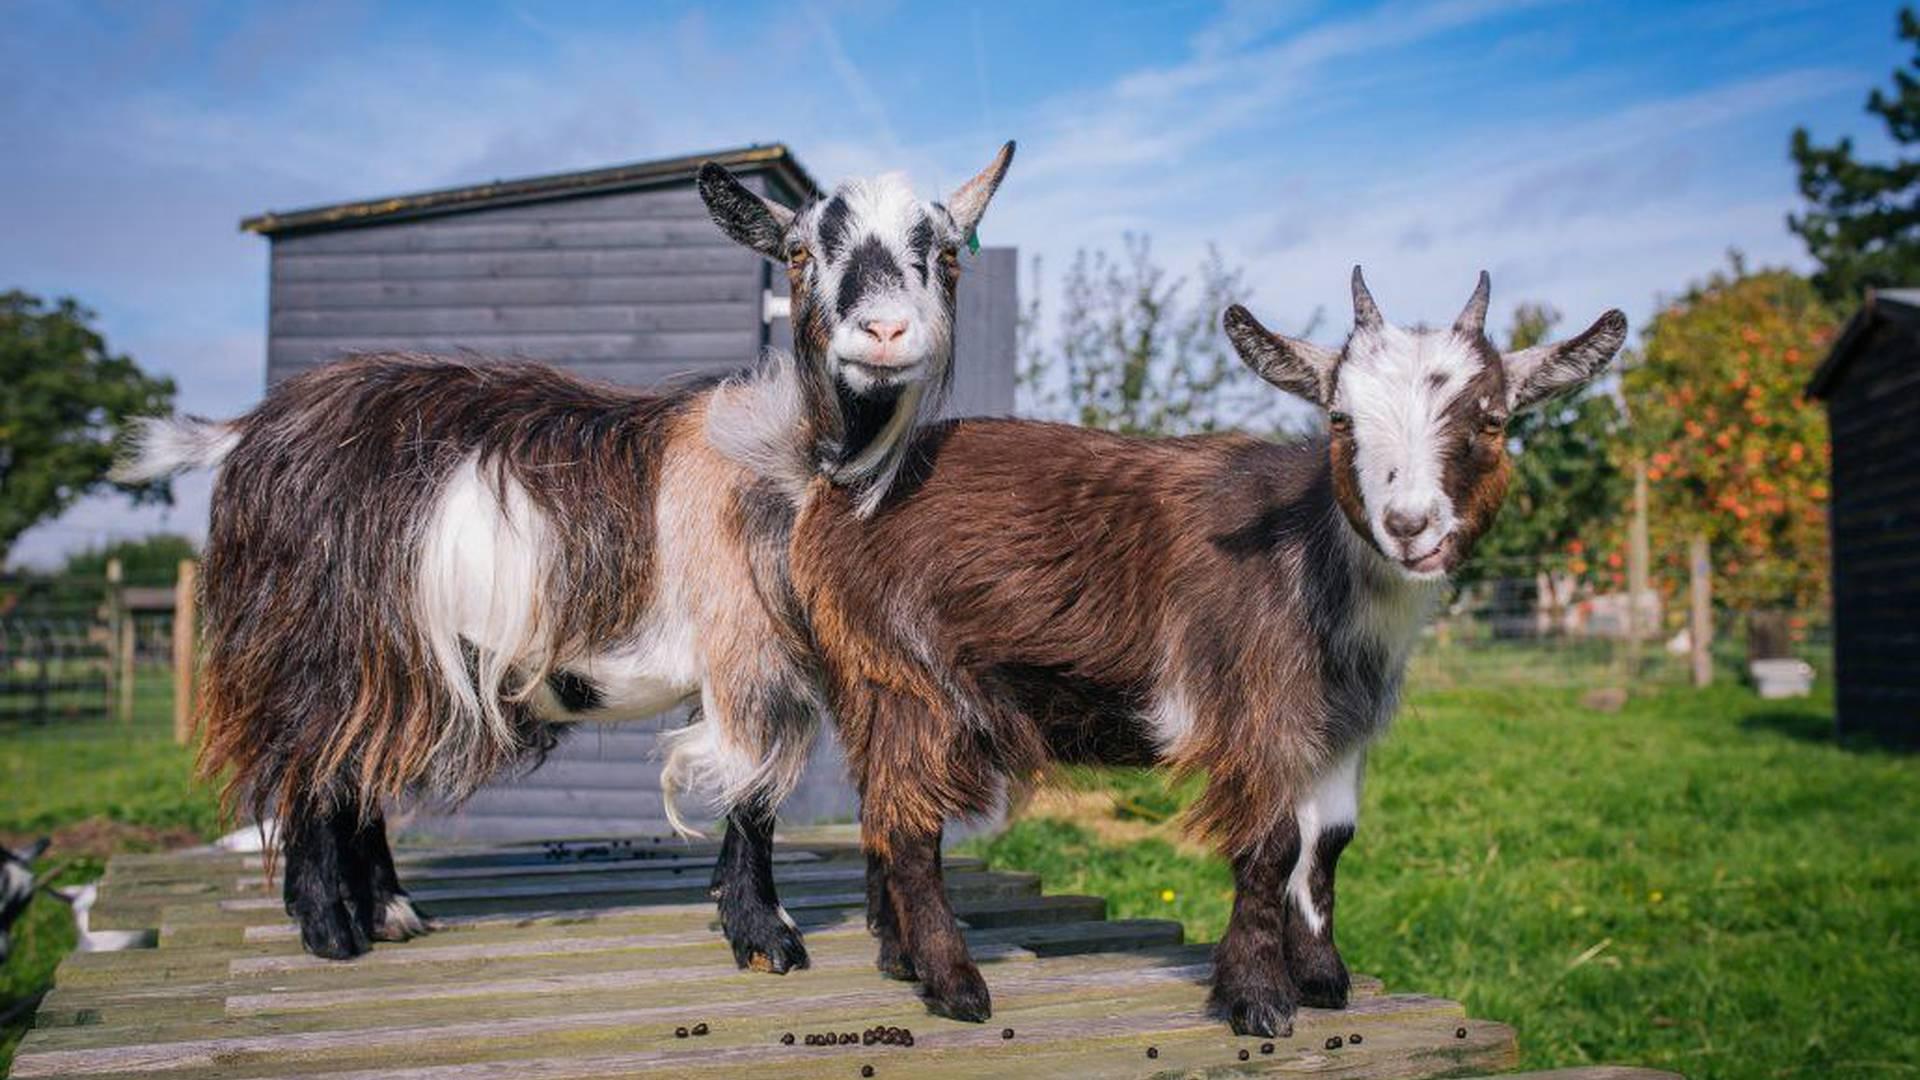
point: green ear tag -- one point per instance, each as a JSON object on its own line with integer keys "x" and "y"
{"x": 973, "y": 241}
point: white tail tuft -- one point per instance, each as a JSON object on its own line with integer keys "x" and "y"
{"x": 160, "y": 446}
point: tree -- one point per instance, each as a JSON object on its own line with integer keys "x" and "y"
{"x": 67, "y": 398}
{"x": 1566, "y": 488}
{"x": 1733, "y": 452}
{"x": 150, "y": 560}
{"x": 1864, "y": 222}
{"x": 1130, "y": 356}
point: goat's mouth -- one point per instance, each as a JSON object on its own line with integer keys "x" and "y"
{"x": 1434, "y": 562}
{"x": 889, "y": 370}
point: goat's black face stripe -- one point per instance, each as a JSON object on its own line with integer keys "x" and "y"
{"x": 833, "y": 228}
{"x": 920, "y": 246}
{"x": 870, "y": 266}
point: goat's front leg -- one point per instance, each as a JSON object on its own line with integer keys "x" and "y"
{"x": 1326, "y": 820}
{"x": 929, "y": 934}
{"x": 1252, "y": 989}
{"x": 761, "y": 932}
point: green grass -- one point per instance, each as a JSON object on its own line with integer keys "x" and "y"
{"x": 1703, "y": 881}
{"x": 98, "y": 787}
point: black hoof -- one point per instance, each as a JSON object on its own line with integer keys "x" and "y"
{"x": 1326, "y": 988}
{"x": 331, "y": 932}
{"x": 1315, "y": 965}
{"x": 960, "y": 995}
{"x": 762, "y": 941}
{"x": 1263, "y": 1012}
{"x": 400, "y": 919}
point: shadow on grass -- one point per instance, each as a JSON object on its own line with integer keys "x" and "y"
{"x": 1809, "y": 724}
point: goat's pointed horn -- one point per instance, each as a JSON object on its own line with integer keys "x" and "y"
{"x": 1472, "y": 322}
{"x": 1366, "y": 316}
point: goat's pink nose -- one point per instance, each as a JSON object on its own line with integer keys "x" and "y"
{"x": 885, "y": 331}
{"x": 1404, "y": 526}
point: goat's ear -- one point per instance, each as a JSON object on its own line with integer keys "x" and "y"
{"x": 743, "y": 215}
{"x": 969, "y": 203}
{"x": 1547, "y": 371}
{"x": 1298, "y": 367}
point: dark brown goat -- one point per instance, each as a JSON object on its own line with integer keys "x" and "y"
{"x": 1030, "y": 593}
{"x": 419, "y": 567}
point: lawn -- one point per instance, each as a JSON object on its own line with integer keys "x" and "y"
{"x": 1702, "y": 881}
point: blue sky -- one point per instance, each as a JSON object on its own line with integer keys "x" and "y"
{"x": 1589, "y": 155}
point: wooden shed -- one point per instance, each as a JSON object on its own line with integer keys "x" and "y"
{"x": 1871, "y": 385}
{"x": 615, "y": 273}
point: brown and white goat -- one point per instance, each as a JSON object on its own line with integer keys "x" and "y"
{"x": 1031, "y": 593}
{"x": 419, "y": 568}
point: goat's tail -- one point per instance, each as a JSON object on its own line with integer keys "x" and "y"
{"x": 160, "y": 446}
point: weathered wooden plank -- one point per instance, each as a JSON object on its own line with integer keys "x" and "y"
{"x": 289, "y": 266}
{"x": 1596, "y": 1072}
{"x": 661, "y": 288}
{"x": 294, "y": 324}
{"x": 745, "y": 1036}
{"x": 488, "y": 233}
{"x": 738, "y": 346}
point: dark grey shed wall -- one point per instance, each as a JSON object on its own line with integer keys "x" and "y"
{"x": 1872, "y": 390}
{"x": 635, "y": 287}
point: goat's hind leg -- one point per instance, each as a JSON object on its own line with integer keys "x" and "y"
{"x": 332, "y": 903}
{"x": 758, "y": 928}
{"x": 395, "y": 916}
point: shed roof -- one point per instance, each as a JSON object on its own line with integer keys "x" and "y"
{"x": 774, "y": 158}
{"x": 1881, "y": 305}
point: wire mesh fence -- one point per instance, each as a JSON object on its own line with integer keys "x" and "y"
{"x": 1534, "y": 622}
{"x": 67, "y": 644}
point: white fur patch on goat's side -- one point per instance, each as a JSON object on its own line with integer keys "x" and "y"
{"x": 1334, "y": 801}
{"x": 480, "y": 580}
{"x": 161, "y": 446}
{"x": 1172, "y": 719}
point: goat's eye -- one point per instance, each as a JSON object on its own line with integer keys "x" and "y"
{"x": 1340, "y": 422}
{"x": 950, "y": 257}
{"x": 1493, "y": 423}
{"x": 798, "y": 257}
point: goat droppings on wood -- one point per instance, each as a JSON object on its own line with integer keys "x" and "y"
{"x": 1153, "y": 1051}
{"x": 1006, "y": 1033}
{"x": 786, "y": 1039}
{"x": 1354, "y": 1039}
{"x": 866, "y": 1070}
{"x": 1334, "y": 1043}
{"x": 1266, "y": 1048}
{"x": 1244, "y": 1055}
{"x": 679, "y": 1033}
{"x": 700, "y": 1028}
{"x": 1459, "y": 1033}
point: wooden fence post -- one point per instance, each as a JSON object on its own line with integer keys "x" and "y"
{"x": 1700, "y": 618}
{"x": 119, "y": 671}
{"x": 185, "y": 649}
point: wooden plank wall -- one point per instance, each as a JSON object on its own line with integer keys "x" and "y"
{"x": 1875, "y": 515}
{"x": 633, "y": 287}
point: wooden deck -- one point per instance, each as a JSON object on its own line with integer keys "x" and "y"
{"x": 583, "y": 960}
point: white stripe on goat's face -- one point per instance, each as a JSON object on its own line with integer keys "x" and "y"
{"x": 873, "y": 270}
{"x": 1410, "y": 399}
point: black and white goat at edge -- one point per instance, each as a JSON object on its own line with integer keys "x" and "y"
{"x": 420, "y": 569}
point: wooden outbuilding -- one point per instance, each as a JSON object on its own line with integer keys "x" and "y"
{"x": 614, "y": 273}
{"x": 1870, "y": 383}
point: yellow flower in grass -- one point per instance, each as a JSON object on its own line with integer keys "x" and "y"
{"x": 1166, "y": 896}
